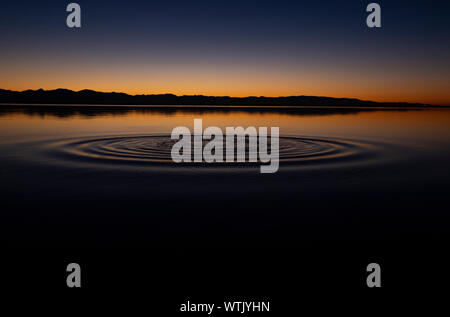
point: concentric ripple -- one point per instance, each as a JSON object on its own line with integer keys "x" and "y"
{"x": 155, "y": 151}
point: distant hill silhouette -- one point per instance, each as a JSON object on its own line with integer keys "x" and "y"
{"x": 65, "y": 96}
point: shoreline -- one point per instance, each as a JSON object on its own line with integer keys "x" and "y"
{"x": 255, "y": 107}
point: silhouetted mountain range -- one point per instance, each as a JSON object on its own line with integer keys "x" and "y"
{"x": 65, "y": 96}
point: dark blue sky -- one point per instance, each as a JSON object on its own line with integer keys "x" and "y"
{"x": 230, "y": 48}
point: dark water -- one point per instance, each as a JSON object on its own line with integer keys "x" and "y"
{"x": 103, "y": 177}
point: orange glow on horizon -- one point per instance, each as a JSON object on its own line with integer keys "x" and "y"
{"x": 234, "y": 82}
{"x": 413, "y": 97}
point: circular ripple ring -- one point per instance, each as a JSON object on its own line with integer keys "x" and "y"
{"x": 155, "y": 150}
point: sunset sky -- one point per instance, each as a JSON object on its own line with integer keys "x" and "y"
{"x": 237, "y": 48}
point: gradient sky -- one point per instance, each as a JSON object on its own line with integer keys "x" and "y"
{"x": 236, "y": 48}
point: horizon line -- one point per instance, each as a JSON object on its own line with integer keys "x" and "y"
{"x": 225, "y": 96}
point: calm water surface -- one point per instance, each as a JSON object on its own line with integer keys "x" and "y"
{"x": 103, "y": 177}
